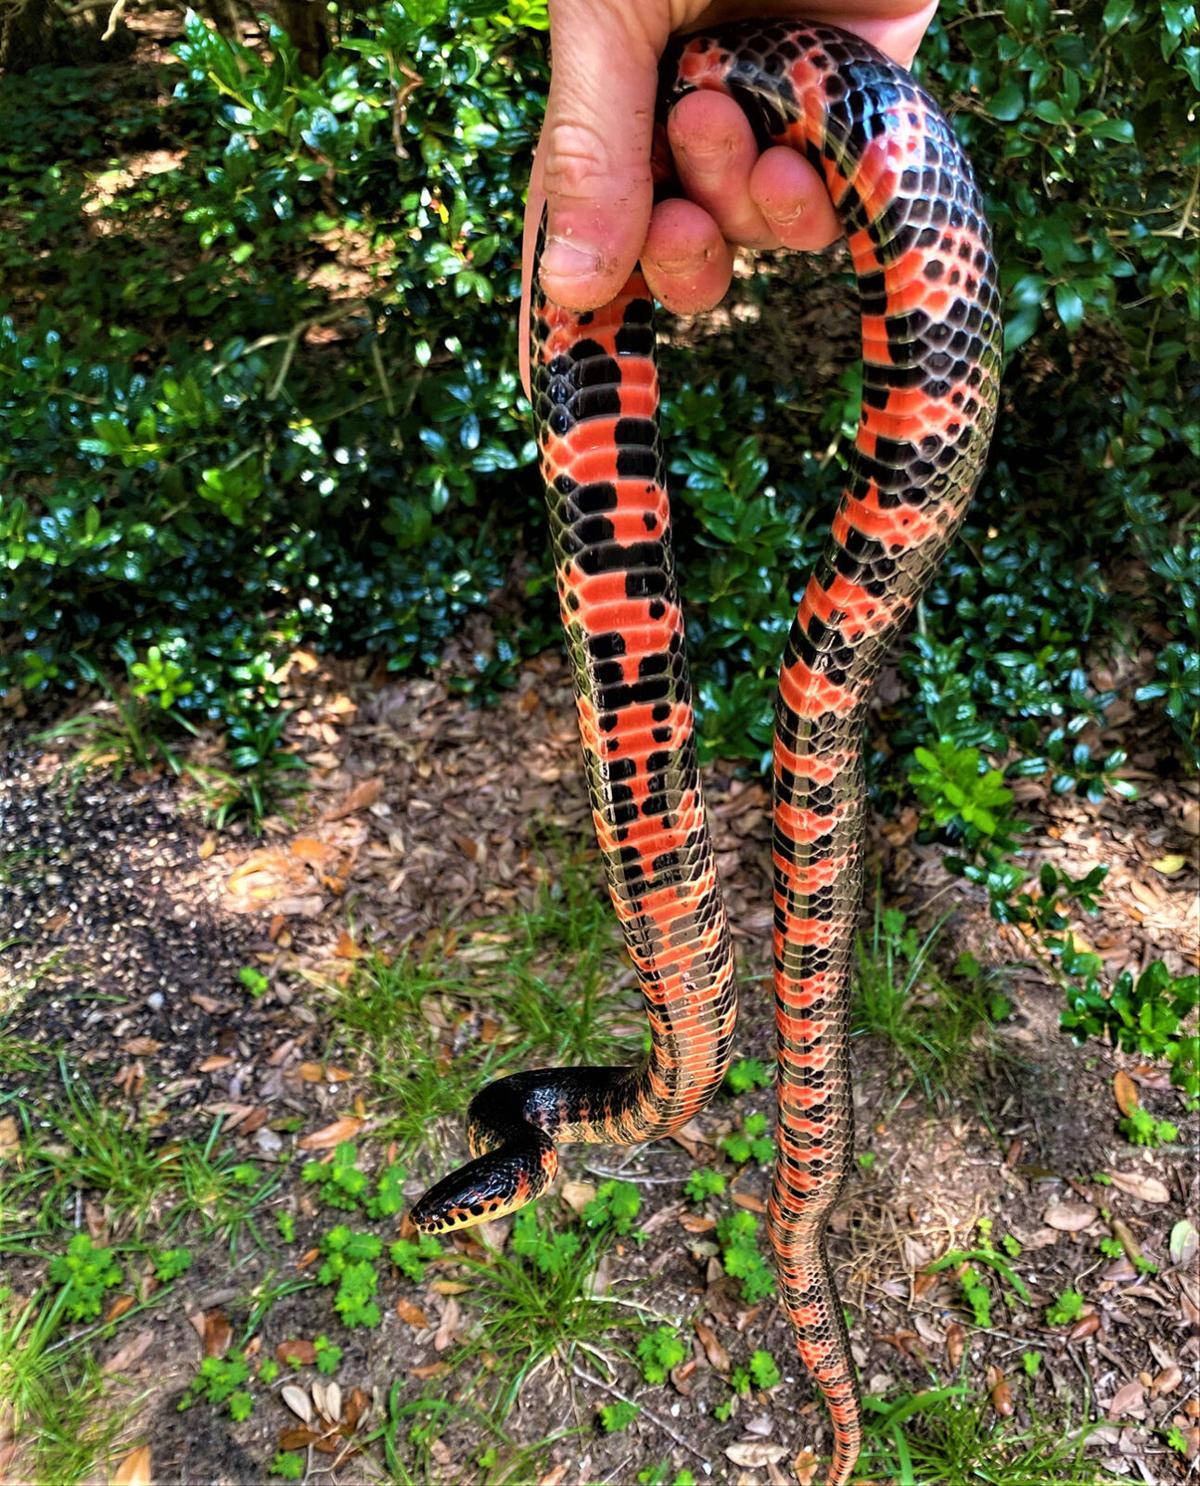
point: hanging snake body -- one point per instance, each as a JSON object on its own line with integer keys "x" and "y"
{"x": 920, "y": 247}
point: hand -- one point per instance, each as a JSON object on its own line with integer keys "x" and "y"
{"x": 592, "y": 163}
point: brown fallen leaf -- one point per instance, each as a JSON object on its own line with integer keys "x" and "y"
{"x": 298, "y": 1401}
{"x": 141, "y": 1047}
{"x": 1087, "y": 1326}
{"x": 577, "y": 1195}
{"x": 134, "y": 1470}
{"x": 696, "y": 1223}
{"x": 359, "y": 798}
{"x": 1070, "y": 1217}
{"x": 1128, "y": 1402}
{"x": 448, "y": 1330}
{"x": 429, "y": 1370}
{"x": 133, "y": 1349}
{"x": 999, "y": 1392}
{"x": 554, "y": 1477}
{"x": 413, "y": 1314}
{"x": 330, "y": 1135}
{"x": 296, "y": 1353}
{"x": 357, "y": 1406}
{"x": 748, "y": 1201}
{"x": 214, "y": 1063}
{"x": 1167, "y": 1380}
{"x": 9, "y": 1140}
{"x": 118, "y": 1308}
{"x": 218, "y": 1333}
{"x": 1146, "y": 1188}
{"x": 755, "y": 1452}
{"x": 956, "y": 1338}
{"x": 297, "y": 1438}
{"x": 310, "y": 849}
{"x": 346, "y": 949}
{"x": 1125, "y": 1093}
{"x": 714, "y": 1349}
{"x": 804, "y": 1467}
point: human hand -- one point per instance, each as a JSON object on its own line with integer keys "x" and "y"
{"x": 592, "y": 163}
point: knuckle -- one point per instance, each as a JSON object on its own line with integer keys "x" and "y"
{"x": 577, "y": 158}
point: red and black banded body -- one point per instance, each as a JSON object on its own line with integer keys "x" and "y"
{"x": 931, "y": 356}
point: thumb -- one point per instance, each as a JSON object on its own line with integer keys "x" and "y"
{"x": 594, "y": 156}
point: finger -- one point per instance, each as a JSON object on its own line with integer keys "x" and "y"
{"x": 594, "y": 152}
{"x": 686, "y": 260}
{"x": 714, "y": 151}
{"x": 791, "y": 198}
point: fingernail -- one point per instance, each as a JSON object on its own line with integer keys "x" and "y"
{"x": 563, "y": 260}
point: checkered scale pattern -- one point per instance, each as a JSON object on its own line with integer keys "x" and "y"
{"x": 921, "y": 251}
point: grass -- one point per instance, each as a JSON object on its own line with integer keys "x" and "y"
{"x": 533, "y": 986}
{"x": 81, "y": 1146}
{"x": 942, "y": 1437}
{"x": 935, "y": 1025}
{"x": 539, "y": 1304}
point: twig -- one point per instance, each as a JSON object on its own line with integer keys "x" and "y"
{"x": 586, "y": 1377}
{"x": 114, "y": 16}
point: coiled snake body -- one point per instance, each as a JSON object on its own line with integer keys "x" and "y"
{"x": 920, "y": 247}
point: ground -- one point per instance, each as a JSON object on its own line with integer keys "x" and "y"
{"x": 434, "y": 913}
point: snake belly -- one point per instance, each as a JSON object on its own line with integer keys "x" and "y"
{"x": 920, "y": 246}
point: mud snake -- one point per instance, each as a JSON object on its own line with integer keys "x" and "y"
{"x": 920, "y": 247}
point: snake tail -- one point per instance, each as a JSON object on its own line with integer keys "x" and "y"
{"x": 921, "y": 252}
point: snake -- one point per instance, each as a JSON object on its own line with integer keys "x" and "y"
{"x": 920, "y": 247}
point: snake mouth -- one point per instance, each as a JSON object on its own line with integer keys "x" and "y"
{"x": 489, "y": 1187}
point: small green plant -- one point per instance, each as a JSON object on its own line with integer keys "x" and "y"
{"x": 617, "y": 1416}
{"x": 169, "y": 1264}
{"x": 977, "y": 1296}
{"x": 413, "y": 1258}
{"x": 1031, "y": 1362}
{"x": 1142, "y": 1128}
{"x": 747, "y": 1074}
{"x": 288, "y": 1464}
{"x": 660, "y": 1475}
{"x": 703, "y": 1184}
{"x": 750, "y": 1143}
{"x": 975, "y": 1291}
{"x": 85, "y": 1272}
{"x": 221, "y": 1380}
{"x": 866, "y": 1160}
{"x": 349, "y": 1264}
{"x": 159, "y": 676}
{"x": 254, "y": 980}
{"x": 328, "y": 1356}
{"x": 268, "y": 1370}
{"x": 340, "y": 1182}
{"x": 1111, "y": 1248}
{"x": 615, "y": 1207}
{"x": 961, "y": 794}
{"x": 1067, "y": 1308}
{"x": 1176, "y": 1439}
{"x": 658, "y": 1352}
{"x": 550, "y": 1250}
{"x": 1143, "y": 1015}
{"x": 285, "y": 1222}
{"x": 737, "y": 1234}
{"x": 763, "y": 1373}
